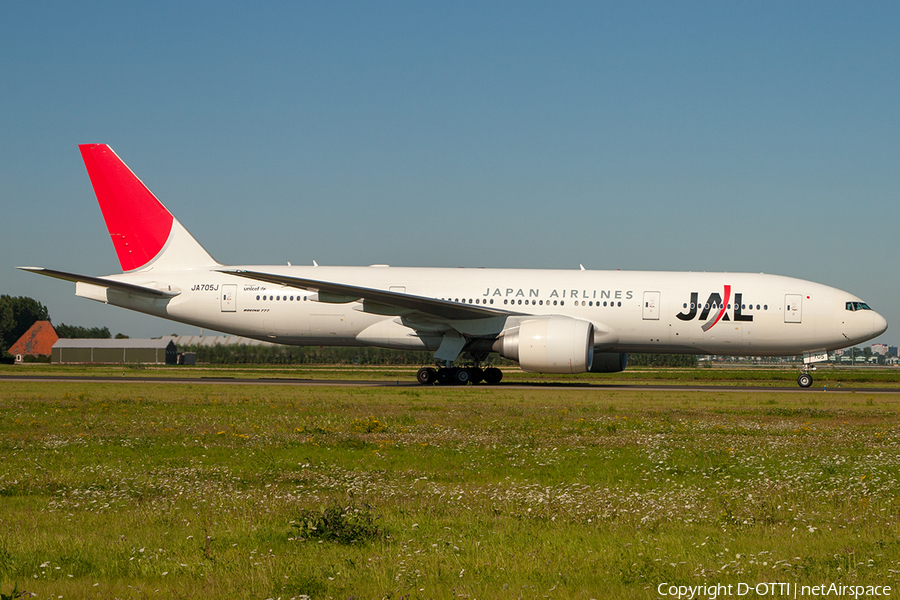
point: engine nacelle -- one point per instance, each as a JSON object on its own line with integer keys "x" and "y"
{"x": 609, "y": 362}
{"x": 551, "y": 345}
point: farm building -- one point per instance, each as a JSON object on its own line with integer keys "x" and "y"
{"x": 37, "y": 341}
{"x": 85, "y": 351}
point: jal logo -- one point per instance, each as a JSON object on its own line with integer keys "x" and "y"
{"x": 714, "y": 309}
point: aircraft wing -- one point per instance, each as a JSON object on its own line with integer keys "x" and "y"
{"x": 343, "y": 292}
{"x": 131, "y": 288}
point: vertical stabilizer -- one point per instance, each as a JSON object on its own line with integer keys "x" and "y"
{"x": 144, "y": 233}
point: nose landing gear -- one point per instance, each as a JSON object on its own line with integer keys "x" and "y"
{"x": 805, "y": 379}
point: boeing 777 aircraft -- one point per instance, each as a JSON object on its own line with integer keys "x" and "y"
{"x": 549, "y": 321}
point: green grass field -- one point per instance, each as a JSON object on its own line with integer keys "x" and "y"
{"x": 192, "y": 491}
{"x": 827, "y": 376}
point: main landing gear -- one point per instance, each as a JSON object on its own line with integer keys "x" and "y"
{"x": 459, "y": 375}
{"x": 805, "y": 379}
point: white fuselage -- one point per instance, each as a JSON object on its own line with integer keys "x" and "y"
{"x": 637, "y": 311}
{"x": 546, "y": 321}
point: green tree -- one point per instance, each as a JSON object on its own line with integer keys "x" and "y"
{"x": 70, "y": 332}
{"x": 17, "y": 314}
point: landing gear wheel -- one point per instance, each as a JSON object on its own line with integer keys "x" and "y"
{"x": 492, "y": 375}
{"x": 476, "y": 375}
{"x": 445, "y": 376}
{"x": 426, "y": 376}
{"x": 805, "y": 380}
{"x": 462, "y": 376}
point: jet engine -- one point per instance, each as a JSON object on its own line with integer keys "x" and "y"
{"x": 551, "y": 345}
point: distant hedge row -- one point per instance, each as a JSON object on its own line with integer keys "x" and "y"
{"x": 662, "y": 360}
{"x": 337, "y": 355}
{"x": 299, "y": 355}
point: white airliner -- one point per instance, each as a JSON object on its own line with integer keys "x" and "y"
{"x": 549, "y": 321}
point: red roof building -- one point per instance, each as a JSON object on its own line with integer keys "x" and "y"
{"x": 37, "y": 341}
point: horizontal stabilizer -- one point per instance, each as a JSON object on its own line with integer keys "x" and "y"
{"x": 427, "y": 306}
{"x": 130, "y": 288}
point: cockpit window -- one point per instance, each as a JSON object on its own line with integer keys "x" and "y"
{"x": 852, "y": 306}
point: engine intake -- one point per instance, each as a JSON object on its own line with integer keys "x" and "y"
{"x": 551, "y": 345}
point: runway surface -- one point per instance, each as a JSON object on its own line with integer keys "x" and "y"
{"x": 413, "y": 384}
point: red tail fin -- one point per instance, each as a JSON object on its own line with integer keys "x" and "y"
{"x": 145, "y": 234}
{"x": 138, "y": 223}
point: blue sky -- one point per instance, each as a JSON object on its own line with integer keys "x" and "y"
{"x": 760, "y": 137}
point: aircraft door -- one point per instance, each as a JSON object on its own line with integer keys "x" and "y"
{"x": 651, "y": 306}
{"x": 229, "y": 293}
{"x": 793, "y": 307}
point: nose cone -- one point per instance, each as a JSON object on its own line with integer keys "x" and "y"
{"x": 858, "y": 326}
{"x": 879, "y": 325}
